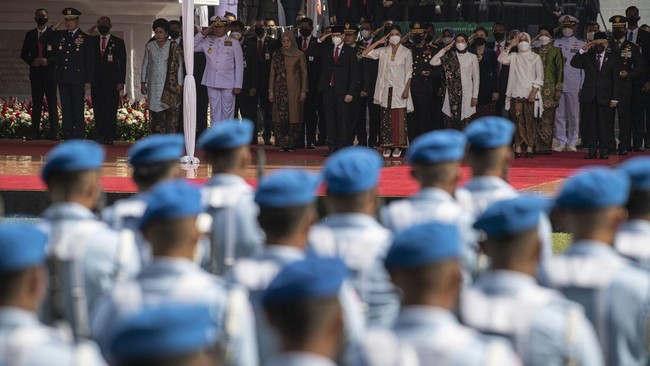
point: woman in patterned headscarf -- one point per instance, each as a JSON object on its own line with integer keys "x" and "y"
{"x": 552, "y": 89}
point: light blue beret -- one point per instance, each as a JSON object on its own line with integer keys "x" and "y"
{"x": 228, "y": 134}
{"x": 157, "y": 148}
{"x": 73, "y": 156}
{"x": 596, "y": 188}
{"x": 490, "y": 132}
{"x": 352, "y": 170}
{"x": 170, "y": 200}
{"x": 22, "y": 246}
{"x": 287, "y": 188}
{"x": 638, "y": 169}
{"x": 512, "y": 216}
{"x": 437, "y": 147}
{"x": 423, "y": 244}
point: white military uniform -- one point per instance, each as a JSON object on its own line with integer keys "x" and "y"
{"x": 25, "y": 341}
{"x": 567, "y": 116}
{"x": 633, "y": 242}
{"x": 125, "y": 214}
{"x": 224, "y": 71}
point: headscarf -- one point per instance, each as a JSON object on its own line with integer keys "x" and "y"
{"x": 293, "y": 51}
{"x": 451, "y": 31}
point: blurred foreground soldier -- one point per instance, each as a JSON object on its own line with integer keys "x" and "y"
{"x": 227, "y": 197}
{"x": 302, "y": 304}
{"x": 633, "y": 237}
{"x": 435, "y": 158}
{"x": 489, "y": 157}
{"x": 75, "y": 70}
{"x": 170, "y": 224}
{"x": 614, "y": 293}
{"x": 23, "y": 277}
{"x": 86, "y": 256}
{"x": 351, "y": 233}
{"x": 154, "y": 159}
{"x": 425, "y": 263}
{"x": 287, "y": 211}
{"x": 544, "y": 327}
{"x": 167, "y": 335}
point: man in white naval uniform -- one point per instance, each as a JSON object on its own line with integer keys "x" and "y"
{"x": 567, "y": 116}
{"x": 224, "y": 69}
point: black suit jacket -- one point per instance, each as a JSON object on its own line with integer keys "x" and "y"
{"x": 111, "y": 67}
{"x": 251, "y": 64}
{"x": 643, "y": 40}
{"x": 75, "y": 57}
{"x": 598, "y": 86}
{"x": 339, "y": 8}
{"x": 314, "y": 62}
{"x": 264, "y": 60}
{"x": 370, "y": 69}
{"x": 29, "y": 53}
{"x": 488, "y": 67}
{"x": 502, "y": 76}
{"x": 632, "y": 62}
{"x": 346, "y": 71}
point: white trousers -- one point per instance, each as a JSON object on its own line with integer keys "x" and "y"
{"x": 567, "y": 119}
{"x": 222, "y": 105}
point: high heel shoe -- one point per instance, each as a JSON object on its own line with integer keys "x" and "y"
{"x": 517, "y": 154}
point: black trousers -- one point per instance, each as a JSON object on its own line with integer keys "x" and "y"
{"x": 322, "y": 122}
{"x": 366, "y": 109}
{"x": 340, "y": 120}
{"x": 72, "y": 110}
{"x": 105, "y": 98}
{"x": 44, "y": 86}
{"x": 246, "y": 106}
{"x": 267, "y": 111}
{"x": 310, "y": 118}
{"x": 646, "y": 104}
{"x": 639, "y": 105}
{"x": 598, "y": 123}
{"x": 624, "y": 111}
{"x": 421, "y": 120}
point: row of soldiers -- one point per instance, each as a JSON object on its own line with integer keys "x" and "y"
{"x": 460, "y": 275}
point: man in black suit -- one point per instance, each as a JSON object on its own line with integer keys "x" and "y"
{"x": 264, "y": 46}
{"x": 291, "y": 9}
{"x": 367, "y": 109}
{"x": 75, "y": 69}
{"x": 40, "y": 58}
{"x": 246, "y": 101}
{"x": 499, "y": 31}
{"x": 347, "y": 11}
{"x": 630, "y": 81}
{"x": 641, "y": 84}
{"x": 110, "y": 76}
{"x": 339, "y": 83}
{"x": 599, "y": 94}
{"x": 312, "y": 116}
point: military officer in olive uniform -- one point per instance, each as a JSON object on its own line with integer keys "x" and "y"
{"x": 422, "y": 84}
{"x": 74, "y": 69}
{"x": 629, "y": 80}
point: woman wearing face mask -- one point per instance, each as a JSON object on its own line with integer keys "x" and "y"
{"x": 287, "y": 92}
{"x": 522, "y": 95}
{"x": 488, "y": 92}
{"x": 392, "y": 91}
{"x": 551, "y": 90}
{"x": 446, "y": 38}
{"x": 460, "y": 82}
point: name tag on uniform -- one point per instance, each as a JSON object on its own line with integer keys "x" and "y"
{"x": 267, "y": 56}
{"x": 574, "y": 50}
{"x": 49, "y": 47}
{"x": 110, "y": 57}
{"x": 227, "y": 43}
{"x": 311, "y": 58}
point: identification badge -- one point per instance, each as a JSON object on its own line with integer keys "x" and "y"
{"x": 209, "y": 51}
{"x": 244, "y": 63}
{"x": 227, "y": 43}
{"x": 49, "y": 47}
{"x": 311, "y": 58}
{"x": 110, "y": 57}
{"x": 267, "y": 56}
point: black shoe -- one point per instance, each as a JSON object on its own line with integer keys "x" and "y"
{"x": 267, "y": 142}
{"x": 591, "y": 154}
{"x": 638, "y": 149}
{"x": 622, "y": 152}
{"x": 311, "y": 146}
{"x": 328, "y": 153}
{"x": 604, "y": 154}
{"x": 290, "y": 150}
{"x": 517, "y": 154}
{"x": 529, "y": 155}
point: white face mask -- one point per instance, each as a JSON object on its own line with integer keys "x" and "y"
{"x": 365, "y": 33}
{"x": 523, "y": 46}
{"x": 461, "y": 46}
{"x": 235, "y": 35}
{"x": 394, "y": 40}
{"x": 544, "y": 40}
{"x": 446, "y": 40}
{"x": 590, "y": 36}
{"x": 567, "y": 32}
{"x": 337, "y": 41}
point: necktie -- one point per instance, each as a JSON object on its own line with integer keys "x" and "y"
{"x": 498, "y": 54}
{"x": 304, "y": 44}
{"x": 71, "y": 34}
{"x": 598, "y": 57}
{"x": 348, "y": 4}
{"x": 336, "y": 61}
{"x": 630, "y": 36}
{"x": 260, "y": 46}
{"x": 40, "y": 45}
{"x": 103, "y": 48}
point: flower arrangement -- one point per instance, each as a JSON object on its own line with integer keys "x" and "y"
{"x": 16, "y": 121}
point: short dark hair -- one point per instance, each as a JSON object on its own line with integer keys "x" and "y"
{"x": 500, "y": 23}
{"x": 366, "y": 22}
{"x": 258, "y": 19}
{"x": 480, "y": 29}
{"x": 591, "y": 23}
{"x": 638, "y": 204}
{"x": 463, "y": 35}
{"x": 280, "y": 222}
{"x": 237, "y": 23}
{"x": 150, "y": 174}
{"x": 160, "y": 23}
{"x": 309, "y": 21}
{"x": 175, "y": 22}
{"x": 547, "y": 28}
{"x": 41, "y": 9}
{"x": 631, "y": 8}
{"x": 269, "y": 20}
{"x": 395, "y": 26}
{"x": 298, "y": 321}
{"x": 9, "y": 285}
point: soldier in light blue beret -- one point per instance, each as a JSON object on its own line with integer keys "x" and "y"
{"x": 23, "y": 279}
{"x": 436, "y": 158}
{"x": 165, "y": 335}
{"x": 424, "y": 261}
{"x": 614, "y": 293}
{"x": 302, "y": 303}
{"x": 287, "y": 200}
{"x": 154, "y": 159}
{"x": 352, "y": 233}
{"x": 633, "y": 237}
{"x": 228, "y": 198}
{"x": 88, "y": 254}
{"x": 544, "y": 327}
{"x": 172, "y": 225}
